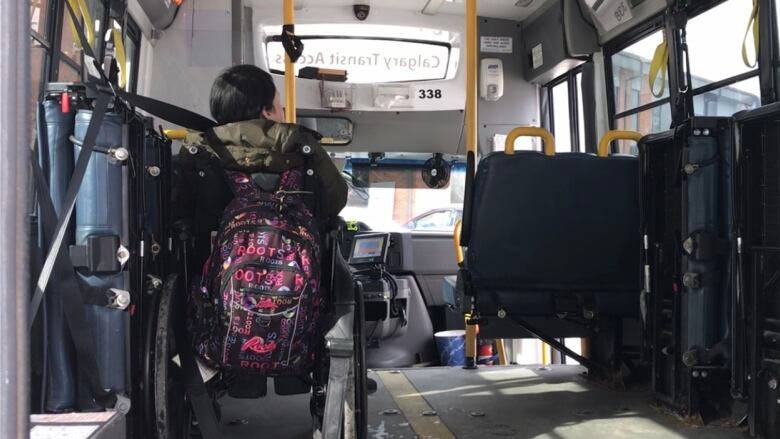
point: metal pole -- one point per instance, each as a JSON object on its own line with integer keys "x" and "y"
{"x": 471, "y": 145}
{"x": 289, "y": 68}
{"x": 471, "y": 76}
{"x": 15, "y": 126}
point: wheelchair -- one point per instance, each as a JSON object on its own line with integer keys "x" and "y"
{"x": 169, "y": 405}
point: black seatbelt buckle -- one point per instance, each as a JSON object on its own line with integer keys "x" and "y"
{"x": 99, "y": 255}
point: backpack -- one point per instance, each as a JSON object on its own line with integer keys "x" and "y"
{"x": 256, "y": 307}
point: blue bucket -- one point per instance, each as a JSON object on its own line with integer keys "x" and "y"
{"x": 451, "y": 346}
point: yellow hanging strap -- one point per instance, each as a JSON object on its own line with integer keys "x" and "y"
{"x": 658, "y": 65}
{"x": 753, "y": 22}
{"x": 121, "y": 58}
{"x": 81, "y": 11}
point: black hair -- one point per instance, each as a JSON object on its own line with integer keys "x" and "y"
{"x": 241, "y": 93}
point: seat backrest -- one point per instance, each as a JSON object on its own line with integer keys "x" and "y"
{"x": 568, "y": 222}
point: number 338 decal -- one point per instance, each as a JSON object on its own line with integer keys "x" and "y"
{"x": 429, "y": 93}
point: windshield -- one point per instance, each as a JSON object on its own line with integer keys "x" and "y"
{"x": 393, "y": 195}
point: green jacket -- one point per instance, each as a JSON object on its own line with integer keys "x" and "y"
{"x": 258, "y": 145}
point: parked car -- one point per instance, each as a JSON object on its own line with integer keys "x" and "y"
{"x": 436, "y": 220}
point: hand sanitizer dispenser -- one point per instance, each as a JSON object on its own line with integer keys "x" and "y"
{"x": 491, "y": 79}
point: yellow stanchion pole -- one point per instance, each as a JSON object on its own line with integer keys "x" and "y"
{"x": 471, "y": 76}
{"x": 289, "y": 69}
{"x": 502, "y": 359}
{"x": 471, "y": 142}
{"x": 471, "y": 344}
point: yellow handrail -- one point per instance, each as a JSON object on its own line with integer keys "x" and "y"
{"x": 175, "y": 134}
{"x": 754, "y": 26}
{"x": 456, "y": 239}
{"x": 289, "y": 68}
{"x": 549, "y": 140}
{"x": 121, "y": 58}
{"x": 658, "y": 66}
{"x": 613, "y": 135}
{"x": 471, "y": 76}
{"x": 81, "y": 11}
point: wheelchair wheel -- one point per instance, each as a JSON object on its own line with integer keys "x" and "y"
{"x": 172, "y": 414}
{"x": 355, "y": 418}
{"x": 358, "y": 412}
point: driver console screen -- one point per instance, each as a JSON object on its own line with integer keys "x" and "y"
{"x": 369, "y": 249}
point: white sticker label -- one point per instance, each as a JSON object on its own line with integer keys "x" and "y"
{"x": 613, "y": 13}
{"x": 537, "y": 56}
{"x": 495, "y": 44}
{"x": 62, "y": 431}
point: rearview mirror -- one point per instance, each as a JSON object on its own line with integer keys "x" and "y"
{"x": 336, "y": 131}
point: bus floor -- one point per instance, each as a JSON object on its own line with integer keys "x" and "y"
{"x": 512, "y": 402}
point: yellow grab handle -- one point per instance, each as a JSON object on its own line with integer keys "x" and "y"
{"x": 610, "y": 136}
{"x": 658, "y": 64}
{"x": 81, "y": 10}
{"x": 121, "y": 58}
{"x": 456, "y": 239}
{"x": 175, "y": 134}
{"x": 549, "y": 140}
{"x": 753, "y": 22}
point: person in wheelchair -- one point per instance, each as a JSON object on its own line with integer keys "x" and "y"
{"x": 223, "y": 178}
{"x": 246, "y": 105}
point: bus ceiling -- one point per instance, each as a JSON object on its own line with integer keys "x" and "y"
{"x": 406, "y": 81}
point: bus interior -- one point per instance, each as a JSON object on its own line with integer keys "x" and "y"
{"x": 562, "y": 221}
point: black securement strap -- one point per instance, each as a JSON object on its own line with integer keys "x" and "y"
{"x": 202, "y": 406}
{"x": 468, "y": 195}
{"x": 171, "y": 113}
{"x": 292, "y": 44}
{"x": 58, "y": 233}
{"x": 72, "y": 301}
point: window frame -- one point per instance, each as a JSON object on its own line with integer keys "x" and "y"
{"x": 613, "y": 47}
{"x": 52, "y": 40}
{"x": 577, "y": 144}
{"x": 765, "y": 71}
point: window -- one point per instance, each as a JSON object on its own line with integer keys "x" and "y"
{"x": 721, "y": 82}
{"x": 717, "y": 55}
{"x": 654, "y": 120}
{"x": 561, "y": 117}
{"x": 391, "y": 195}
{"x": 439, "y": 220}
{"x": 565, "y": 111}
{"x": 54, "y": 54}
{"x": 631, "y": 75}
{"x": 39, "y": 12}
{"x": 634, "y": 106}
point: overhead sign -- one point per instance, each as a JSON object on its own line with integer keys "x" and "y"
{"x": 369, "y": 60}
{"x": 612, "y": 13}
{"x": 495, "y": 44}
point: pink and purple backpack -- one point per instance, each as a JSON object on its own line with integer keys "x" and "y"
{"x": 256, "y": 307}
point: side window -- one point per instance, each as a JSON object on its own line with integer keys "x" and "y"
{"x": 722, "y": 83}
{"x": 636, "y": 106}
{"x": 565, "y": 111}
{"x": 561, "y": 120}
{"x": 56, "y": 56}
